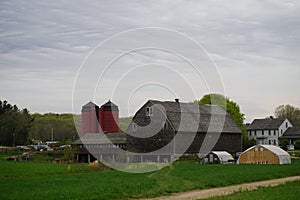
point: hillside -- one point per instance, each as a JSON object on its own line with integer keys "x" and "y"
{"x": 62, "y": 126}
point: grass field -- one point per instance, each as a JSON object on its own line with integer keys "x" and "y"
{"x": 289, "y": 190}
{"x": 38, "y": 180}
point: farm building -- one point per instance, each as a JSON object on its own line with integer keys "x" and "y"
{"x": 172, "y": 127}
{"x": 218, "y": 157}
{"x": 268, "y": 130}
{"x": 100, "y": 137}
{"x": 264, "y": 154}
{"x": 99, "y": 120}
{"x": 161, "y": 129}
{"x": 292, "y": 134}
{"x": 99, "y": 146}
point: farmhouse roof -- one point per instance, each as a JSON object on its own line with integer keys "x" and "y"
{"x": 101, "y": 138}
{"x": 90, "y": 105}
{"x": 185, "y": 116}
{"x": 267, "y": 123}
{"x": 292, "y": 133}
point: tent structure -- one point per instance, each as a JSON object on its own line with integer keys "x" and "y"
{"x": 264, "y": 154}
{"x": 218, "y": 157}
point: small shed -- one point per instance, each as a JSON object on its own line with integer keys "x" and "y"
{"x": 264, "y": 154}
{"x": 218, "y": 157}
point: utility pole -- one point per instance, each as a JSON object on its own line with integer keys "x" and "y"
{"x": 52, "y": 134}
{"x": 14, "y": 139}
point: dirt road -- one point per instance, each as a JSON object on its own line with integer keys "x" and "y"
{"x": 202, "y": 194}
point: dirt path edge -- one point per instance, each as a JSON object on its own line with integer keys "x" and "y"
{"x": 207, "y": 193}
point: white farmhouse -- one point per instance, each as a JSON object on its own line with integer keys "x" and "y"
{"x": 268, "y": 130}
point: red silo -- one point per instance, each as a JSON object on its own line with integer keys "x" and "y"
{"x": 89, "y": 121}
{"x": 109, "y": 117}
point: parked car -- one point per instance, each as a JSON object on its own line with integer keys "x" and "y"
{"x": 62, "y": 147}
{"x": 22, "y": 147}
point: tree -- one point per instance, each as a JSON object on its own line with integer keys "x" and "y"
{"x": 290, "y": 112}
{"x": 232, "y": 108}
{"x": 14, "y": 124}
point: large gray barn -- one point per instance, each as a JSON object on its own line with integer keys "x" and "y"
{"x": 196, "y": 128}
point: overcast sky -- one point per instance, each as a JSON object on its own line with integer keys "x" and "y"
{"x": 250, "y": 48}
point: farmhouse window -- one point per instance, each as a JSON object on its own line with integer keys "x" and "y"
{"x": 149, "y": 111}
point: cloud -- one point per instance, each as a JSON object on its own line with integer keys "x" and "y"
{"x": 255, "y": 45}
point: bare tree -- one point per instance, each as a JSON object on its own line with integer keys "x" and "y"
{"x": 290, "y": 112}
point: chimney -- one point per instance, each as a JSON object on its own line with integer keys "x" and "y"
{"x": 177, "y": 100}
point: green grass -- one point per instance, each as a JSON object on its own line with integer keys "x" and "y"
{"x": 289, "y": 190}
{"x": 32, "y": 180}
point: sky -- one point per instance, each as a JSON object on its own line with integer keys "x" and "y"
{"x": 56, "y": 56}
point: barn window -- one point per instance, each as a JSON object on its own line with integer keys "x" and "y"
{"x": 249, "y": 133}
{"x": 134, "y": 126}
{"x": 269, "y": 132}
{"x": 164, "y": 125}
{"x": 286, "y": 124}
{"x": 149, "y": 111}
{"x": 256, "y": 149}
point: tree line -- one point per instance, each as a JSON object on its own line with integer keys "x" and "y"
{"x": 18, "y": 126}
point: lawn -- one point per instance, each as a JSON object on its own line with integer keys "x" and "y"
{"x": 37, "y": 180}
{"x": 289, "y": 190}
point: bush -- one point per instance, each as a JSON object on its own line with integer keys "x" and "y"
{"x": 297, "y": 145}
{"x": 283, "y": 142}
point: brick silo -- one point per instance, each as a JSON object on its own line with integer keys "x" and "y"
{"x": 89, "y": 121}
{"x": 109, "y": 117}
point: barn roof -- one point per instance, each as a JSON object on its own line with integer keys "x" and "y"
{"x": 267, "y": 123}
{"x": 292, "y": 133}
{"x": 101, "y": 138}
{"x": 185, "y": 116}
